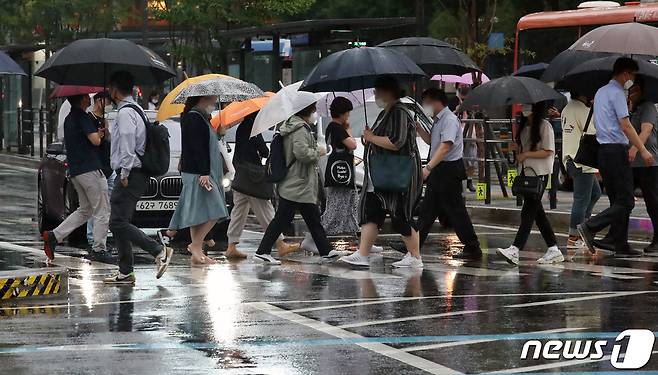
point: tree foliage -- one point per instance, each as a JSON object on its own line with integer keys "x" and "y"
{"x": 204, "y": 20}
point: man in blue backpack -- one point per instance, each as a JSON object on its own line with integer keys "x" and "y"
{"x": 128, "y": 145}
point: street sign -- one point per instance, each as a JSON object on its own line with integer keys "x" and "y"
{"x": 481, "y": 191}
{"x": 511, "y": 175}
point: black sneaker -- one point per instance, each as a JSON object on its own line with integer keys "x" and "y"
{"x": 628, "y": 252}
{"x": 587, "y": 236}
{"x": 100, "y": 256}
{"x": 604, "y": 245}
{"x": 651, "y": 248}
{"x": 49, "y": 244}
{"x": 469, "y": 255}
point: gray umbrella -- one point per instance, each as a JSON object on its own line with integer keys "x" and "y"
{"x": 626, "y": 38}
{"x": 506, "y": 91}
{"x": 227, "y": 89}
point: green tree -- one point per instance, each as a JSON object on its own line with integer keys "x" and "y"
{"x": 196, "y": 25}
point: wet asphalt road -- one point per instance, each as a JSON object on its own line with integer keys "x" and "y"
{"x": 309, "y": 318}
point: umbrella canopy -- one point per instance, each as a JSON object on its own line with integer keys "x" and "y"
{"x": 356, "y": 97}
{"x": 9, "y": 66}
{"x": 62, "y": 91}
{"x": 285, "y": 103}
{"x": 626, "y": 38}
{"x": 237, "y": 111}
{"x": 506, "y": 91}
{"x": 466, "y": 79}
{"x": 227, "y": 89}
{"x": 532, "y": 70}
{"x": 433, "y": 56}
{"x": 358, "y": 68}
{"x": 91, "y": 62}
{"x": 566, "y": 60}
{"x": 588, "y": 77}
{"x": 168, "y": 108}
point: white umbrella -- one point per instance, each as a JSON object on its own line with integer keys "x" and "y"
{"x": 285, "y": 103}
{"x": 356, "y": 97}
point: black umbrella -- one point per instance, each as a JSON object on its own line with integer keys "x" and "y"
{"x": 565, "y": 61}
{"x": 627, "y": 38}
{"x": 90, "y": 62}
{"x": 506, "y": 91}
{"x": 433, "y": 56}
{"x": 589, "y": 76}
{"x": 9, "y": 66}
{"x": 532, "y": 70}
{"x": 358, "y": 68}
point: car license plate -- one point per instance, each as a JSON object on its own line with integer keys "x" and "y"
{"x": 156, "y": 205}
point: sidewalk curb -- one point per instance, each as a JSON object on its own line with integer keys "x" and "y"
{"x": 19, "y": 161}
{"x": 639, "y": 228}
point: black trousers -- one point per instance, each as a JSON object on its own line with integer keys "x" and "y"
{"x": 533, "y": 212}
{"x": 285, "y": 213}
{"x": 123, "y": 202}
{"x": 646, "y": 178}
{"x": 443, "y": 197}
{"x": 617, "y": 177}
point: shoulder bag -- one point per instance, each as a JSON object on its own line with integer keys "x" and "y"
{"x": 588, "y": 150}
{"x": 340, "y": 167}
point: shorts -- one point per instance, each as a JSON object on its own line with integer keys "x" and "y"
{"x": 375, "y": 213}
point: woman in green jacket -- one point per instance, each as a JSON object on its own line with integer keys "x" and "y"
{"x": 298, "y": 190}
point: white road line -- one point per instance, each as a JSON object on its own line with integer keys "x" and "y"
{"x": 577, "y": 299}
{"x": 60, "y": 259}
{"x": 512, "y": 229}
{"x": 338, "y": 272}
{"x": 355, "y": 304}
{"x": 379, "y": 348}
{"x": 409, "y": 318}
{"x": 606, "y": 270}
{"x": 18, "y": 168}
{"x": 469, "y": 342}
{"x": 473, "y": 271}
{"x": 616, "y": 276}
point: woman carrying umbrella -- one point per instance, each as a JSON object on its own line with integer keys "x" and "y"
{"x": 393, "y": 135}
{"x": 537, "y": 146}
{"x": 201, "y": 202}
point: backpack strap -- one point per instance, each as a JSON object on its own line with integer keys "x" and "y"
{"x": 589, "y": 119}
{"x": 145, "y": 120}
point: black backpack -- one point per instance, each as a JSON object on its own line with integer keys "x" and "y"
{"x": 276, "y": 167}
{"x": 157, "y": 154}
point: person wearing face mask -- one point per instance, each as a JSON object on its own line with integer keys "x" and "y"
{"x": 614, "y": 131}
{"x": 444, "y": 174}
{"x": 298, "y": 190}
{"x": 201, "y": 203}
{"x": 154, "y": 101}
{"x": 586, "y": 188}
{"x": 392, "y": 136}
{"x": 128, "y": 143}
{"x": 82, "y": 138}
{"x": 98, "y": 113}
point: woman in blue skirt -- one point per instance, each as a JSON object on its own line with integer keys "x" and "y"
{"x": 201, "y": 202}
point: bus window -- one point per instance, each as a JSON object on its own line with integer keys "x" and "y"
{"x": 541, "y": 45}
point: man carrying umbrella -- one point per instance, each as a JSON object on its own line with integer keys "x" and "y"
{"x": 614, "y": 131}
{"x": 128, "y": 144}
{"x": 82, "y": 138}
{"x": 444, "y": 174}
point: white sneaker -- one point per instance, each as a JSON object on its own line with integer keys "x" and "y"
{"x": 162, "y": 261}
{"x": 309, "y": 245}
{"x": 266, "y": 258}
{"x": 577, "y": 244}
{"x": 511, "y": 254}
{"x": 408, "y": 261}
{"x": 356, "y": 259}
{"x": 376, "y": 249}
{"x": 553, "y": 255}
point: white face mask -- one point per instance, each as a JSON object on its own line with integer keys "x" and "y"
{"x": 628, "y": 84}
{"x": 108, "y": 108}
{"x": 380, "y": 103}
{"x": 428, "y": 110}
{"x": 210, "y": 108}
{"x": 313, "y": 118}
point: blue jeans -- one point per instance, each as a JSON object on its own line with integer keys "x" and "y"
{"x": 586, "y": 192}
{"x": 90, "y": 222}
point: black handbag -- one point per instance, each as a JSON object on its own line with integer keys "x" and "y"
{"x": 588, "y": 149}
{"x": 340, "y": 167}
{"x": 528, "y": 186}
{"x": 250, "y": 179}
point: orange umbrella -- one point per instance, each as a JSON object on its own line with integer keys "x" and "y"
{"x": 236, "y": 111}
